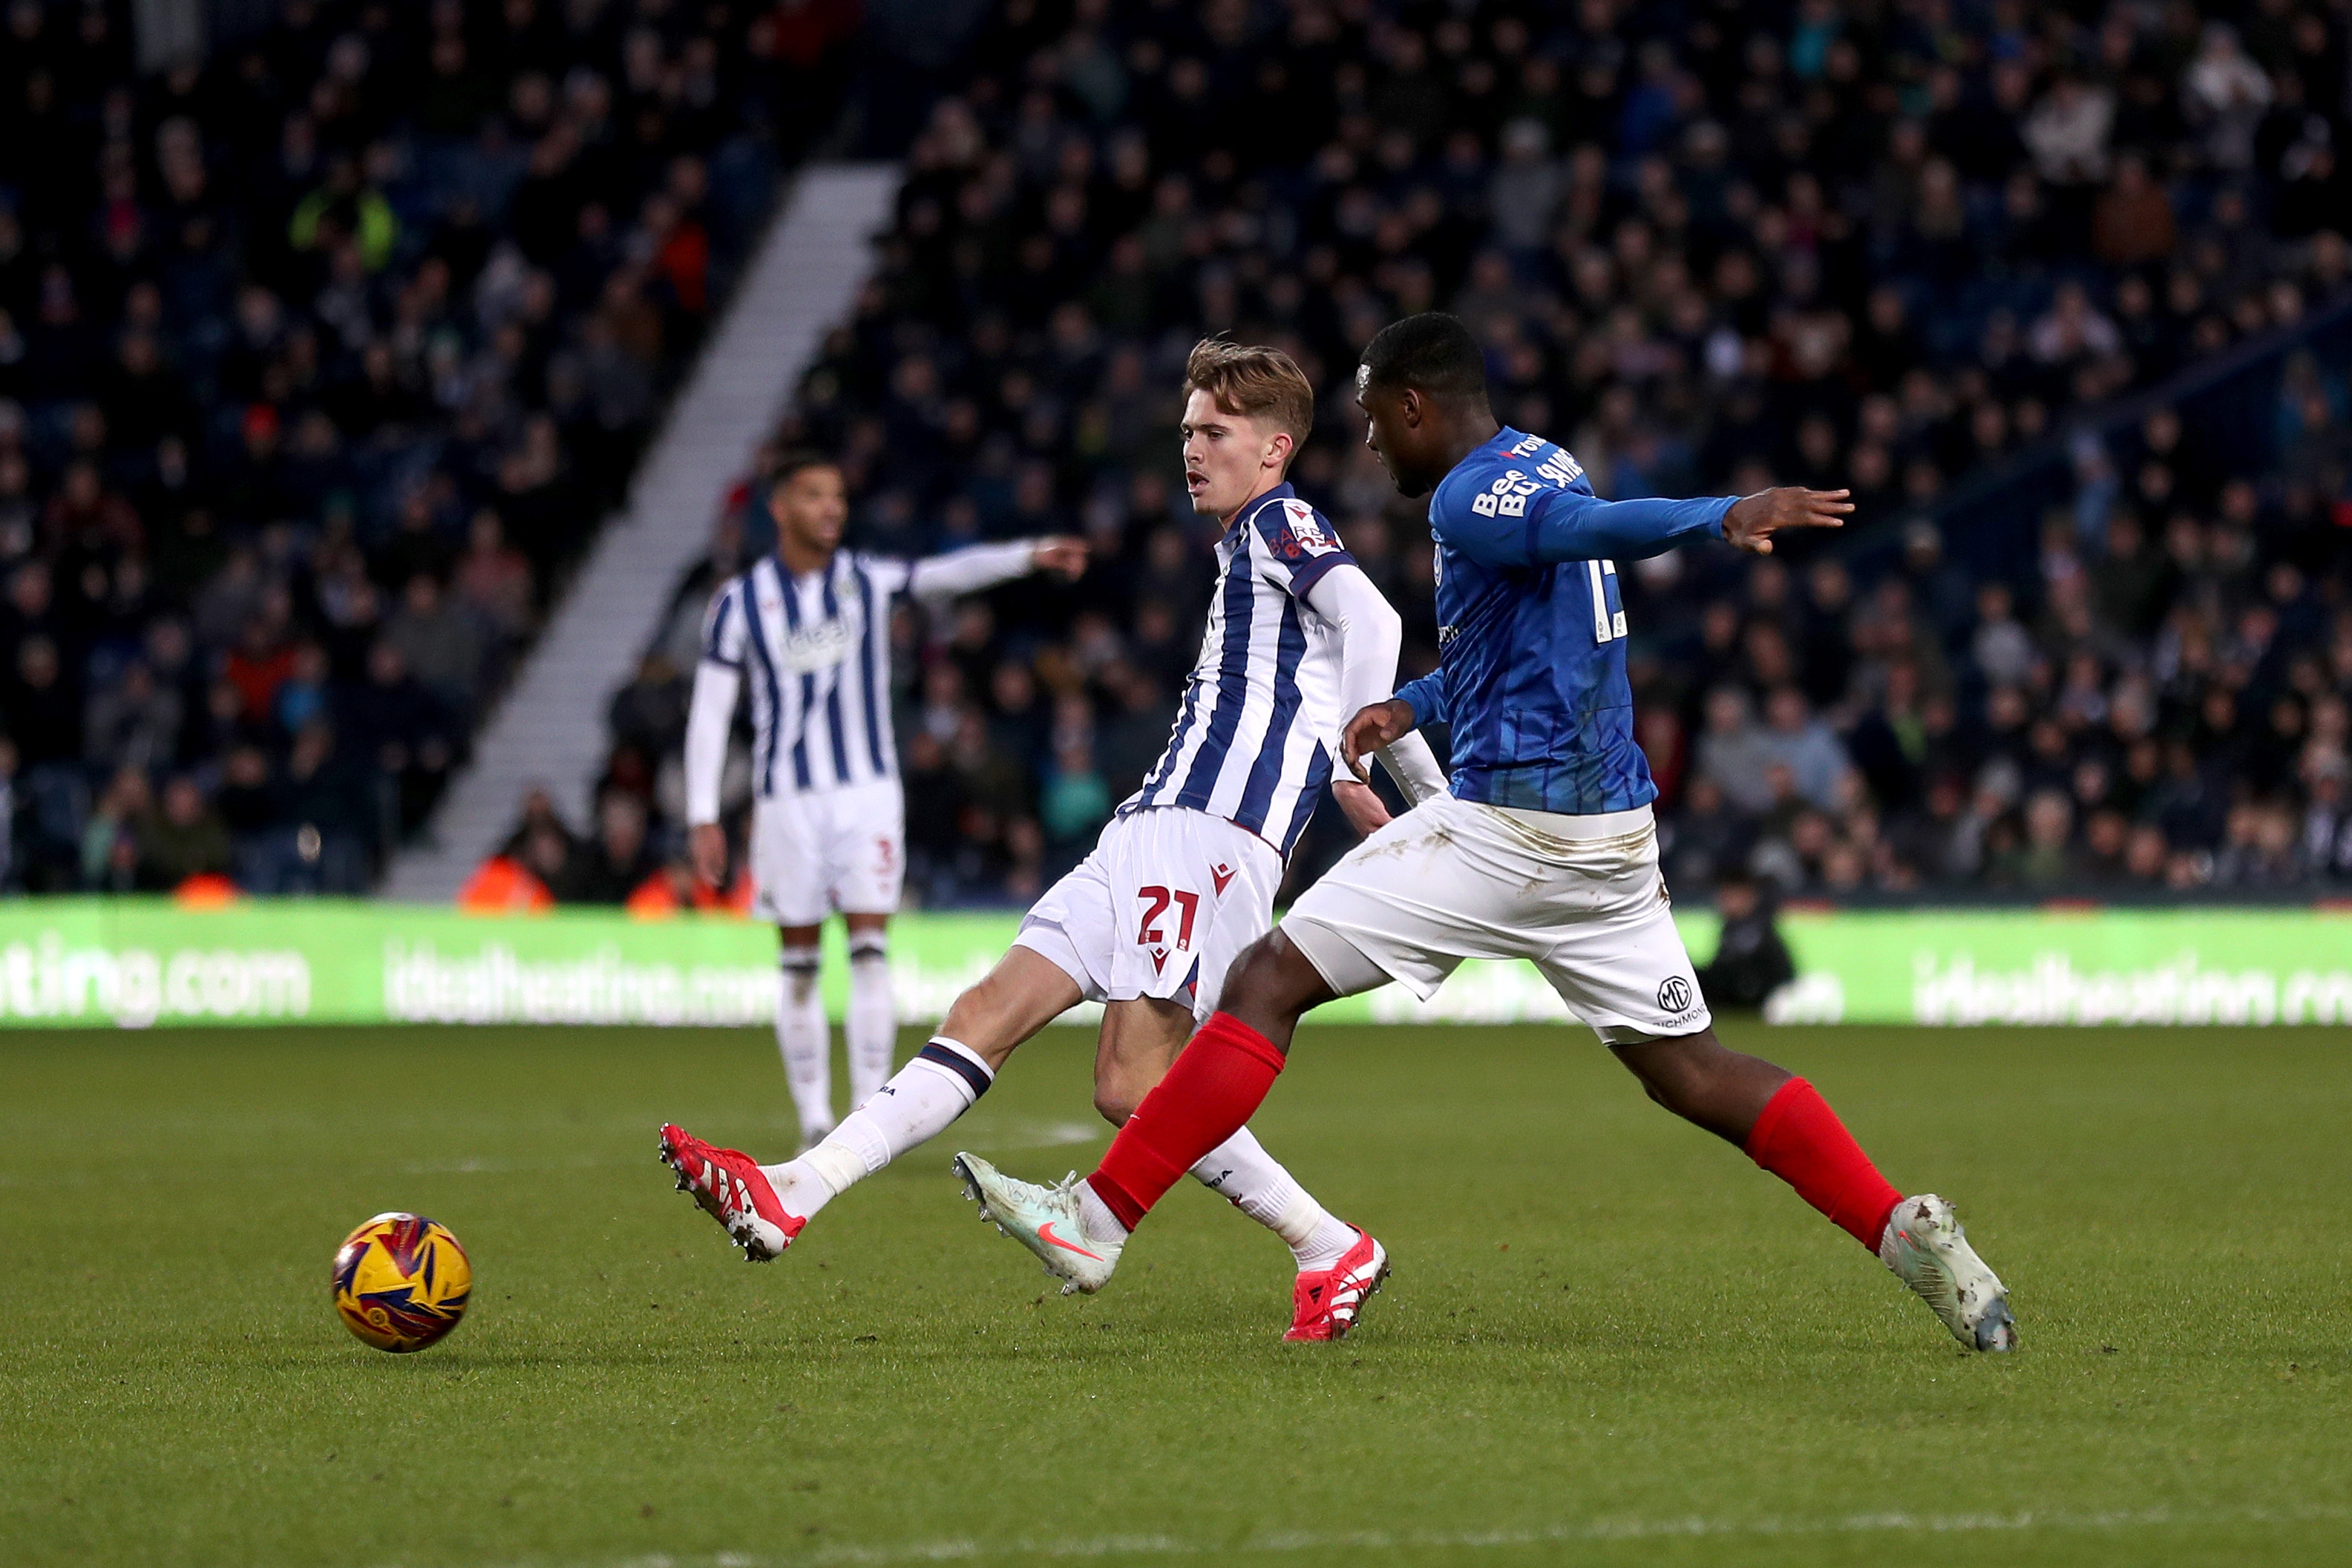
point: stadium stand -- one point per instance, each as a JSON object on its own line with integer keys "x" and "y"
{"x": 320, "y": 360}
{"x": 2057, "y": 290}
{"x": 311, "y": 357}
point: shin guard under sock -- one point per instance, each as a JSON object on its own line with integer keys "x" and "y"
{"x": 1800, "y": 1140}
{"x": 1216, "y": 1085}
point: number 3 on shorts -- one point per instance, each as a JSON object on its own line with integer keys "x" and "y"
{"x": 1155, "y": 901}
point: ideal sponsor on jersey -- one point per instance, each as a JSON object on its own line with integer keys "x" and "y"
{"x": 814, "y": 654}
{"x": 820, "y": 646}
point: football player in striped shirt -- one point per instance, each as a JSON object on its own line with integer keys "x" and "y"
{"x": 1545, "y": 848}
{"x": 807, "y": 630}
{"x": 1184, "y": 876}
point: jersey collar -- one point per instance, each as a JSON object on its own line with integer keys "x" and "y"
{"x": 775, "y": 557}
{"x": 1250, "y": 510}
{"x": 1502, "y": 440}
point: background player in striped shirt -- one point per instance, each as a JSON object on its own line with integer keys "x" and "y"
{"x": 1544, "y": 849}
{"x": 1183, "y": 878}
{"x": 808, "y": 629}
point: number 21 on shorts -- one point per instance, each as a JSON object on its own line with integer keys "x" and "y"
{"x": 1149, "y": 931}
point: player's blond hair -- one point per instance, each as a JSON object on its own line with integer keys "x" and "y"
{"x": 1253, "y": 382}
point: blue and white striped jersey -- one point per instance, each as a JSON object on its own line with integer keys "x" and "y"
{"x": 816, "y": 650}
{"x": 1251, "y": 742}
{"x": 1531, "y": 630}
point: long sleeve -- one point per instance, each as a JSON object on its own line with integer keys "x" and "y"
{"x": 1413, "y": 766}
{"x": 971, "y": 569}
{"x": 1548, "y": 524}
{"x": 1426, "y": 697}
{"x": 1370, "y": 633}
{"x": 707, "y": 719}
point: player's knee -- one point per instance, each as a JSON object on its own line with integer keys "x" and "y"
{"x": 1270, "y": 980}
{"x": 972, "y": 1016}
{"x": 1677, "y": 1072}
{"x": 1114, "y": 1103}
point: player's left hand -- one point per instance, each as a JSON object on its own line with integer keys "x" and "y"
{"x": 1750, "y": 523}
{"x": 1371, "y": 729}
{"x": 1365, "y": 813}
{"x": 1063, "y": 555}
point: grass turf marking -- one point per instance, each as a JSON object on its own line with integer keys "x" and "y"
{"x": 1274, "y": 1542}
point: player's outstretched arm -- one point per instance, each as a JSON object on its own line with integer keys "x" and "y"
{"x": 975, "y": 567}
{"x": 1753, "y": 519}
{"x": 1555, "y": 524}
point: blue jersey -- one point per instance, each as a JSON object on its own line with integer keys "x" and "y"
{"x": 1531, "y": 630}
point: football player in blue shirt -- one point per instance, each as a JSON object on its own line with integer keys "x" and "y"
{"x": 1545, "y": 849}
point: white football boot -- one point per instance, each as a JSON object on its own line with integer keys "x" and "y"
{"x": 1929, "y": 1251}
{"x": 1045, "y": 1220}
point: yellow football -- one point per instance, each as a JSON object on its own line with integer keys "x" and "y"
{"x": 401, "y": 1282}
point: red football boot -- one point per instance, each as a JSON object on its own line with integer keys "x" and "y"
{"x": 1325, "y": 1301}
{"x": 727, "y": 1183}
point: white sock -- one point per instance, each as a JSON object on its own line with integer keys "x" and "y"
{"x": 1094, "y": 1218}
{"x": 871, "y": 1026}
{"x": 930, "y": 1092}
{"x": 1240, "y": 1170}
{"x": 805, "y": 1042}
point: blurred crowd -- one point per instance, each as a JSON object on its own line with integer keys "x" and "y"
{"x": 1712, "y": 246}
{"x": 320, "y": 360}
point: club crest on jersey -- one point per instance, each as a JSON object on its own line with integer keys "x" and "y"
{"x": 1303, "y": 535}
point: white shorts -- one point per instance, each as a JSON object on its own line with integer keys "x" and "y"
{"x": 1579, "y": 896}
{"x": 1162, "y": 907}
{"x": 841, "y": 849}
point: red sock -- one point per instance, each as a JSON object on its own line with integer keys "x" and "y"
{"x": 1217, "y": 1085}
{"x": 1800, "y": 1139}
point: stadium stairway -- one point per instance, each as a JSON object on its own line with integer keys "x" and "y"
{"x": 549, "y": 728}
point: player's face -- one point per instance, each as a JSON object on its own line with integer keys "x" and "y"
{"x": 1228, "y": 458}
{"x": 811, "y": 507}
{"x": 1393, "y": 433}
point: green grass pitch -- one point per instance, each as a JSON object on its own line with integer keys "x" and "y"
{"x": 1609, "y": 1339}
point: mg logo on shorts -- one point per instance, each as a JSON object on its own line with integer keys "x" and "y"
{"x": 1674, "y": 993}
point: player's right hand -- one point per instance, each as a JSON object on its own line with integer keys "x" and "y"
{"x": 707, "y": 846}
{"x": 1370, "y": 729}
{"x": 1360, "y": 806}
{"x": 1063, "y": 555}
{"x": 1750, "y": 523}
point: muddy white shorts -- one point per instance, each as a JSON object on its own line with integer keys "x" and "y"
{"x": 1164, "y": 905}
{"x": 841, "y": 849}
{"x": 1580, "y": 897}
